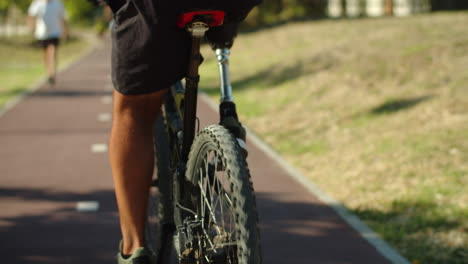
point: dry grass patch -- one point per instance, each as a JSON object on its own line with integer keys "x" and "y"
{"x": 375, "y": 111}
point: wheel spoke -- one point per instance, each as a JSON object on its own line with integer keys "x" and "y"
{"x": 220, "y": 194}
{"x": 212, "y": 186}
{"x": 208, "y": 204}
{"x": 202, "y": 207}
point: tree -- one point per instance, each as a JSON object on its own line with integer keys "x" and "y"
{"x": 272, "y": 11}
{"x": 4, "y": 6}
{"x": 79, "y": 10}
{"x": 76, "y": 9}
{"x": 388, "y": 7}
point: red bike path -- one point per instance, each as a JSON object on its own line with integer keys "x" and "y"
{"x": 53, "y": 156}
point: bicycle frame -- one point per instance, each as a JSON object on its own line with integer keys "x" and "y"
{"x": 198, "y": 30}
{"x": 185, "y": 100}
{"x": 180, "y": 109}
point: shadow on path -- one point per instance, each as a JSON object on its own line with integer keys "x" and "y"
{"x": 60, "y": 235}
{"x": 63, "y": 235}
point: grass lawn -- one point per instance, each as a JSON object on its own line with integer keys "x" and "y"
{"x": 21, "y": 62}
{"x": 375, "y": 111}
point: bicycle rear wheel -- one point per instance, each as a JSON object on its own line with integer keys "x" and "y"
{"x": 224, "y": 201}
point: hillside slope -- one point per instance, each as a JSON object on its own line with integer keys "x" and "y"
{"x": 375, "y": 111}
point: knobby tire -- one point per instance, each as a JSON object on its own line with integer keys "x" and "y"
{"x": 215, "y": 159}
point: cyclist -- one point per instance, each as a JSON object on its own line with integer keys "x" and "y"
{"x": 148, "y": 55}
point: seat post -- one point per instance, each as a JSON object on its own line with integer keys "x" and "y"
{"x": 197, "y": 30}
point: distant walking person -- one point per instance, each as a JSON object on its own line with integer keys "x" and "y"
{"x": 48, "y": 19}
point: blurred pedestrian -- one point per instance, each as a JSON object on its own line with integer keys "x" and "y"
{"x": 47, "y": 17}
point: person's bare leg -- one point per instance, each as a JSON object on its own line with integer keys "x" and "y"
{"x": 50, "y": 59}
{"x": 132, "y": 161}
{"x": 46, "y": 59}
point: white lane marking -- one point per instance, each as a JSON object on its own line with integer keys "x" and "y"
{"x": 368, "y": 234}
{"x": 99, "y": 148}
{"x": 104, "y": 117}
{"x": 87, "y": 206}
{"x": 106, "y": 99}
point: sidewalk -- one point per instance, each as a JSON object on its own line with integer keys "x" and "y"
{"x": 53, "y": 157}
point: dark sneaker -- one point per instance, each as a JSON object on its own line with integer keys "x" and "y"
{"x": 140, "y": 256}
{"x": 51, "y": 80}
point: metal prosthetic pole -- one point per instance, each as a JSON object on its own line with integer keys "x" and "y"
{"x": 223, "y": 64}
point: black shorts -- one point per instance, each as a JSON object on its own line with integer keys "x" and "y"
{"x": 149, "y": 53}
{"x": 146, "y": 56}
{"x": 50, "y": 41}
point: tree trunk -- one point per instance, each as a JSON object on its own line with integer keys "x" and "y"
{"x": 343, "y": 8}
{"x": 389, "y": 7}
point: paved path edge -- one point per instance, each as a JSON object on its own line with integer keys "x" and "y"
{"x": 364, "y": 230}
{"x": 15, "y": 100}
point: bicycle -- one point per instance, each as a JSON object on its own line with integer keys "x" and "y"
{"x": 204, "y": 209}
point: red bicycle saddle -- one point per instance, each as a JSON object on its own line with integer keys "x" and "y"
{"x": 212, "y": 17}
